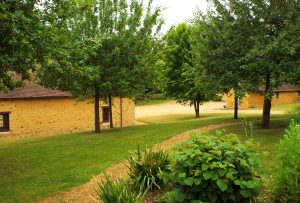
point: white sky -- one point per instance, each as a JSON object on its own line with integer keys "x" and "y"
{"x": 177, "y": 11}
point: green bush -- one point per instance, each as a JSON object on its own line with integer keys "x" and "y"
{"x": 213, "y": 168}
{"x": 118, "y": 191}
{"x": 145, "y": 166}
{"x": 286, "y": 184}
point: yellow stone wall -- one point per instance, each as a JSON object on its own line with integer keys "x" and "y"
{"x": 257, "y": 100}
{"x": 46, "y": 116}
{"x": 230, "y": 101}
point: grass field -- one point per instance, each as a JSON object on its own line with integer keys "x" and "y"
{"x": 151, "y": 102}
{"x": 38, "y": 167}
{"x": 286, "y": 107}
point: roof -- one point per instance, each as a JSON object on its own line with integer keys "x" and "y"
{"x": 32, "y": 90}
{"x": 285, "y": 88}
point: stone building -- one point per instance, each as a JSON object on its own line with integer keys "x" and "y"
{"x": 34, "y": 110}
{"x": 285, "y": 94}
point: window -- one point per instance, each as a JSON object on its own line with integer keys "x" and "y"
{"x": 105, "y": 114}
{"x": 4, "y": 121}
{"x": 299, "y": 94}
{"x": 276, "y": 94}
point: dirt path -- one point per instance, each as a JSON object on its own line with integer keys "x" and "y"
{"x": 87, "y": 192}
{"x": 171, "y": 107}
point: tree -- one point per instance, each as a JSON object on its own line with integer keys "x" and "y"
{"x": 21, "y": 42}
{"x": 222, "y": 45}
{"x": 274, "y": 57}
{"x": 106, "y": 52}
{"x": 254, "y": 41}
{"x": 183, "y": 80}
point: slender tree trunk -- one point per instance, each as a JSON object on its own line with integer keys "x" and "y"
{"x": 197, "y": 108}
{"x": 97, "y": 112}
{"x": 267, "y": 103}
{"x": 121, "y": 111}
{"x": 236, "y": 107}
{"x": 110, "y": 111}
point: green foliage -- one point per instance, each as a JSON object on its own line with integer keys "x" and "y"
{"x": 182, "y": 79}
{"x": 213, "y": 168}
{"x": 248, "y": 128}
{"x": 22, "y": 35}
{"x": 249, "y": 44}
{"x": 118, "y": 191}
{"x": 145, "y": 167}
{"x": 286, "y": 184}
{"x": 107, "y": 46}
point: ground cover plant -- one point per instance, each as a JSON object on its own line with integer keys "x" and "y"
{"x": 213, "y": 168}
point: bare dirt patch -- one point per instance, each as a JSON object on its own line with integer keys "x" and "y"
{"x": 88, "y": 192}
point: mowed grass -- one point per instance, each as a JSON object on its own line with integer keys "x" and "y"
{"x": 34, "y": 168}
{"x": 151, "y": 102}
{"x": 286, "y": 107}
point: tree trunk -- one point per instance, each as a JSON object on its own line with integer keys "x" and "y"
{"x": 197, "y": 108}
{"x": 121, "y": 111}
{"x": 236, "y": 107}
{"x": 97, "y": 112}
{"x": 267, "y": 103}
{"x": 110, "y": 112}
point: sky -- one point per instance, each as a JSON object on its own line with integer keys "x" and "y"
{"x": 177, "y": 11}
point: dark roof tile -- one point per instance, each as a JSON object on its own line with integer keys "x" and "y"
{"x": 32, "y": 90}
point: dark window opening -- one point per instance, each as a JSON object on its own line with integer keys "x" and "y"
{"x": 276, "y": 94}
{"x": 299, "y": 94}
{"x": 4, "y": 121}
{"x": 105, "y": 114}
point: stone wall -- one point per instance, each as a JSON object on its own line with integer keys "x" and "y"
{"x": 47, "y": 116}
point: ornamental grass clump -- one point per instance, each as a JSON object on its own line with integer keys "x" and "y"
{"x": 285, "y": 186}
{"x": 213, "y": 168}
{"x": 145, "y": 168}
{"x": 118, "y": 191}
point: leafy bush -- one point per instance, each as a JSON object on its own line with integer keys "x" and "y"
{"x": 286, "y": 185}
{"x": 208, "y": 168}
{"x": 118, "y": 191}
{"x": 144, "y": 168}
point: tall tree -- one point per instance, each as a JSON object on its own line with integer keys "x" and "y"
{"x": 105, "y": 56}
{"x": 183, "y": 80}
{"x": 21, "y": 41}
{"x": 222, "y": 45}
{"x": 274, "y": 57}
{"x": 253, "y": 42}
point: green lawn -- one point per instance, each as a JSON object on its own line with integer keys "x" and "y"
{"x": 286, "y": 107}
{"x": 151, "y": 102}
{"x": 38, "y": 167}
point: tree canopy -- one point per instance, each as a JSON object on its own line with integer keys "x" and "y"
{"x": 108, "y": 52}
{"x": 21, "y": 45}
{"x": 184, "y": 79}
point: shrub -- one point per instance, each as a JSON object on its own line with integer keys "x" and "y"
{"x": 286, "y": 183}
{"x": 118, "y": 191}
{"x": 209, "y": 168}
{"x": 145, "y": 166}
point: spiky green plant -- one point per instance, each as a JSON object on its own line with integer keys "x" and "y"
{"x": 118, "y": 191}
{"x": 145, "y": 167}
